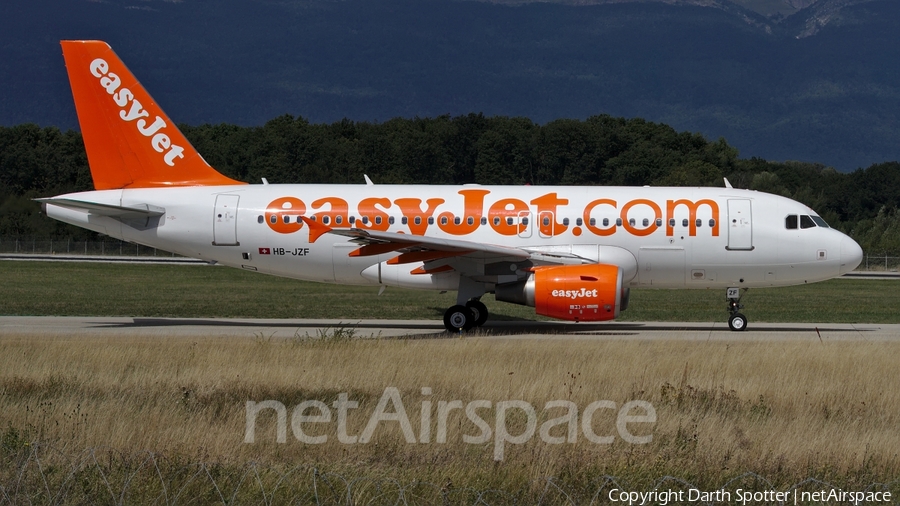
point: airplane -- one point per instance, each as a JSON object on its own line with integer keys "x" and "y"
{"x": 572, "y": 253}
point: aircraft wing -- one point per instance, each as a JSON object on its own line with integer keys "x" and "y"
{"x": 414, "y": 248}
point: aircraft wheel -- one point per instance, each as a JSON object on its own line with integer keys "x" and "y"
{"x": 479, "y": 311}
{"x": 737, "y": 322}
{"x": 458, "y": 318}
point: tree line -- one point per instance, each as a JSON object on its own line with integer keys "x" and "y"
{"x": 601, "y": 150}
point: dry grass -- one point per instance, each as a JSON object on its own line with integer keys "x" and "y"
{"x": 787, "y": 411}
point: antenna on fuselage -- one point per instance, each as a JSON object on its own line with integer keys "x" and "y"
{"x": 727, "y": 184}
{"x": 368, "y": 181}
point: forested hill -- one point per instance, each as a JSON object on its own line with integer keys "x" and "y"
{"x": 601, "y": 150}
{"x": 832, "y": 97}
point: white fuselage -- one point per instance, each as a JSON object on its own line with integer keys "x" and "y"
{"x": 661, "y": 237}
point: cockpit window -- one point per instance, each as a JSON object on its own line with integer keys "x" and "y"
{"x": 806, "y": 222}
{"x": 790, "y": 222}
{"x": 819, "y": 221}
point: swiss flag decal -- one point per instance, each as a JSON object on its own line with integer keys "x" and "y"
{"x": 265, "y": 251}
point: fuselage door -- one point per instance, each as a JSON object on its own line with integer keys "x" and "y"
{"x": 524, "y": 224}
{"x": 546, "y": 224}
{"x": 740, "y": 228}
{"x": 225, "y": 221}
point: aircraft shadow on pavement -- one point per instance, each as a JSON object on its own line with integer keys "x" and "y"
{"x": 505, "y": 326}
{"x": 293, "y": 324}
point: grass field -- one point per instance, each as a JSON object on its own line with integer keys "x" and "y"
{"x": 87, "y": 420}
{"x": 787, "y": 411}
{"x": 82, "y": 289}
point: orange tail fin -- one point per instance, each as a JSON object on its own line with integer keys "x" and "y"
{"x": 130, "y": 141}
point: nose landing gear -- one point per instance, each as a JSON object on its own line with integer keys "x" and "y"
{"x": 737, "y": 321}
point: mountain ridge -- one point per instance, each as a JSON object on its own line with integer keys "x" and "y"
{"x": 799, "y": 18}
{"x": 832, "y": 98}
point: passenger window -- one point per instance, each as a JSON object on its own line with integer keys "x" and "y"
{"x": 684, "y": 223}
{"x": 431, "y": 220}
{"x": 790, "y": 222}
{"x": 483, "y": 220}
{"x": 365, "y": 220}
{"x": 565, "y": 222}
{"x": 404, "y": 220}
{"x": 525, "y": 221}
{"x": 631, "y": 222}
{"x": 378, "y": 220}
{"x": 646, "y": 222}
{"x": 443, "y": 220}
{"x": 261, "y": 219}
{"x": 618, "y": 222}
{"x": 470, "y": 220}
{"x": 338, "y": 219}
{"x": 605, "y": 222}
{"x": 418, "y": 220}
{"x": 286, "y": 219}
{"x": 457, "y": 220}
{"x": 352, "y": 220}
{"x": 671, "y": 222}
{"x": 496, "y": 221}
{"x": 546, "y": 221}
{"x": 806, "y": 222}
{"x": 509, "y": 220}
{"x": 699, "y": 223}
{"x": 325, "y": 220}
{"x": 273, "y": 219}
{"x": 579, "y": 222}
{"x": 593, "y": 222}
{"x": 391, "y": 220}
{"x": 712, "y": 223}
{"x": 658, "y": 222}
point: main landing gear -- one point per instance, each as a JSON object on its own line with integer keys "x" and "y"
{"x": 736, "y": 322}
{"x": 460, "y": 317}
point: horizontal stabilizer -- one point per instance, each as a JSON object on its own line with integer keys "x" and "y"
{"x": 130, "y": 212}
{"x": 139, "y": 216}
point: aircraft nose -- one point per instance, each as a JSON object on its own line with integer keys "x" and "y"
{"x": 851, "y": 255}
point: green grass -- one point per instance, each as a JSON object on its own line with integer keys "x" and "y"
{"x": 88, "y": 289}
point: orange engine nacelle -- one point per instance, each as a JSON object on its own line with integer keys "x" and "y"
{"x": 570, "y": 292}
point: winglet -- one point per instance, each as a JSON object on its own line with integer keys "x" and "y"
{"x": 130, "y": 142}
{"x": 316, "y": 229}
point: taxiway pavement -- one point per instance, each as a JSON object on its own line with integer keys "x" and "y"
{"x": 63, "y": 326}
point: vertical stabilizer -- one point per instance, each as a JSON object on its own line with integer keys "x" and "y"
{"x": 130, "y": 141}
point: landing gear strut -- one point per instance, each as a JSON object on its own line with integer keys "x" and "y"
{"x": 736, "y": 322}
{"x": 459, "y": 317}
{"x": 469, "y": 311}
